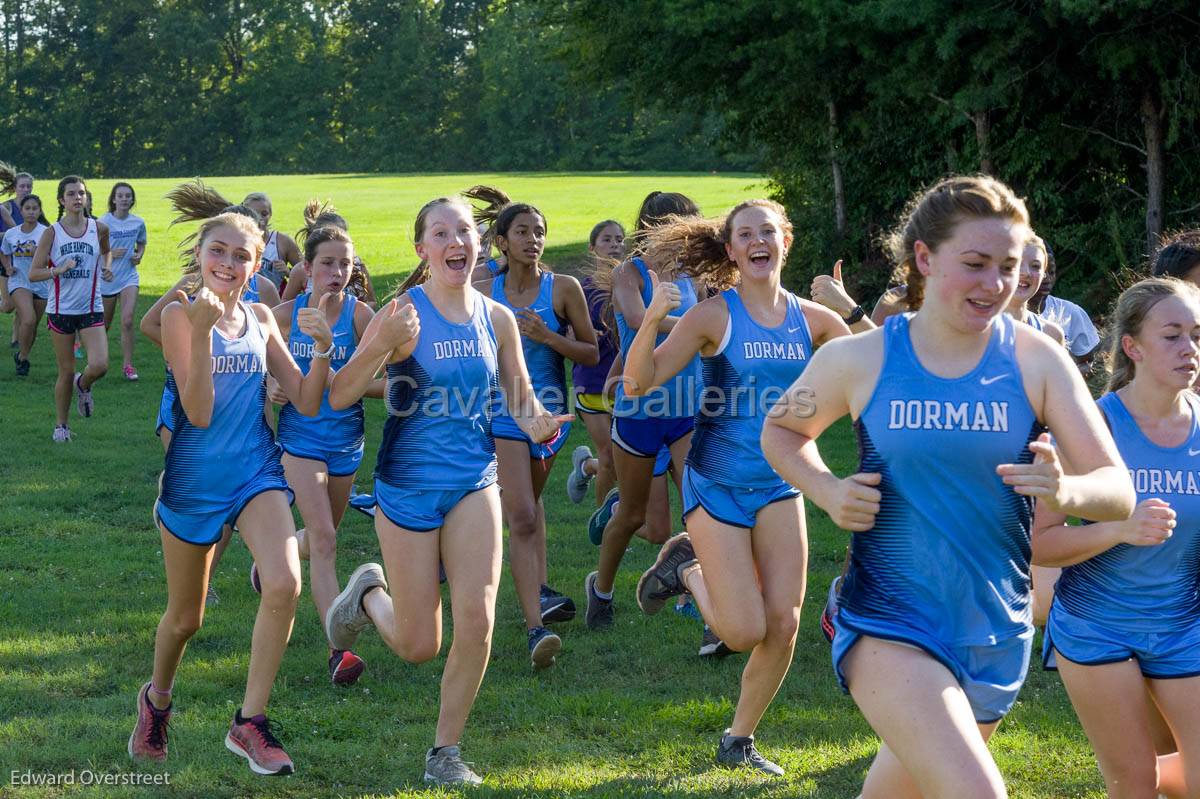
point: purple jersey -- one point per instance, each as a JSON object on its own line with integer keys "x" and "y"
{"x": 590, "y": 379}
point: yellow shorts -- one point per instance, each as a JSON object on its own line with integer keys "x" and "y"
{"x": 593, "y": 403}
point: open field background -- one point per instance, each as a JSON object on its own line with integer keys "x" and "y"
{"x": 631, "y": 712}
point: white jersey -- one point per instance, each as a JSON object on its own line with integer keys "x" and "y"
{"x": 76, "y": 291}
{"x": 270, "y": 255}
{"x": 1078, "y": 330}
{"x": 128, "y": 233}
{"x": 20, "y": 246}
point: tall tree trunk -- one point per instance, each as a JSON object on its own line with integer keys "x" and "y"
{"x": 983, "y": 133}
{"x": 839, "y": 188}
{"x": 1152, "y": 126}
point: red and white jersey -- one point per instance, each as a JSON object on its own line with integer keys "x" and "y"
{"x": 76, "y": 291}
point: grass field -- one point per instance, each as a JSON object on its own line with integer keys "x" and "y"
{"x": 630, "y": 712}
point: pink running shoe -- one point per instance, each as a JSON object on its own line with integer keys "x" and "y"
{"x": 130, "y": 373}
{"x": 149, "y": 738}
{"x": 254, "y": 739}
{"x": 345, "y": 667}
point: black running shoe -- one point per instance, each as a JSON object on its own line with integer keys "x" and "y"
{"x": 737, "y": 751}
{"x": 22, "y": 368}
{"x": 711, "y": 646}
{"x": 555, "y": 606}
{"x": 543, "y": 646}
{"x": 599, "y": 614}
{"x": 663, "y": 580}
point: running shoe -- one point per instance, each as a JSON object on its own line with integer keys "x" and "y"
{"x": 130, "y": 374}
{"x": 830, "y": 611}
{"x": 543, "y": 646}
{"x": 601, "y": 515}
{"x": 736, "y": 751}
{"x": 346, "y": 617}
{"x": 364, "y": 503}
{"x": 211, "y": 598}
{"x": 23, "y": 368}
{"x": 149, "y": 738}
{"x": 345, "y": 667}
{"x": 599, "y": 614}
{"x": 447, "y": 767}
{"x": 711, "y": 645}
{"x": 577, "y": 481}
{"x": 555, "y": 606}
{"x": 664, "y": 579}
{"x": 689, "y": 610}
{"x": 83, "y": 399}
{"x": 62, "y": 433}
{"x": 254, "y": 739}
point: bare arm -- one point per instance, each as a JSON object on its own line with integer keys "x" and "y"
{"x": 389, "y": 337}
{"x": 151, "y": 325}
{"x": 304, "y": 391}
{"x": 40, "y": 268}
{"x": 627, "y": 298}
{"x": 647, "y": 366}
{"x": 581, "y": 348}
{"x": 297, "y": 280}
{"x": 523, "y": 405}
{"x": 105, "y": 251}
{"x": 1056, "y": 543}
{"x": 187, "y": 347}
{"x": 267, "y": 293}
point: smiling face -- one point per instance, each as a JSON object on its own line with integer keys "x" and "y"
{"x": 972, "y": 275}
{"x": 449, "y": 243}
{"x": 524, "y": 241}
{"x": 757, "y": 242}
{"x": 610, "y": 243}
{"x": 1167, "y": 348}
{"x": 1029, "y": 279}
{"x": 227, "y": 256}
{"x": 331, "y": 267}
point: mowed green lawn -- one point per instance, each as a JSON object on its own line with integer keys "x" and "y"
{"x": 629, "y": 712}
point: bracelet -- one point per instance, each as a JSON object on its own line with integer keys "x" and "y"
{"x": 324, "y": 356}
{"x": 855, "y": 315}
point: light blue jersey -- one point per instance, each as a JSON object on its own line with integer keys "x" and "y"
{"x": 1153, "y": 587}
{"x": 547, "y": 371}
{"x": 250, "y": 293}
{"x": 213, "y": 472}
{"x": 948, "y": 557}
{"x": 748, "y": 374}
{"x": 127, "y": 233}
{"x": 440, "y": 402}
{"x": 677, "y": 397}
{"x": 330, "y": 432}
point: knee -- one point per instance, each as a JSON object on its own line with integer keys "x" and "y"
{"x": 127, "y": 324}
{"x": 657, "y": 534}
{"x": 98, "y": 368}
{"x": 782, "y": 625}
{"x": 629, "y": 517}
{"x": 522, "y": 520}
{"x": 416, "y": 648}
{"x": 981, "y": 782}
{"x": 747, "y": 635}
{"x": 183, "y": 625}
{"x": 1133, "y": 780}
{"x": 280, "y": 586}
{"x": 322, "y": 542}
{"x": 473, "y": 626}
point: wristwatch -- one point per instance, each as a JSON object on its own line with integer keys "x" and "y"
{"x": 855, "y": 315}
{"x": 324, "y": 356}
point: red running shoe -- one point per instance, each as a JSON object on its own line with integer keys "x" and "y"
{"x": 345, "y": 667}
{"x": 149, "y": 738}
{"x": 254, "y": 739}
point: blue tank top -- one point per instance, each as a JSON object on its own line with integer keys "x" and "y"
{"x": 493, "y": 267}
{"x": 250, "y": 293}
{"x": 949, "y": 552}
{"x": 677, "y": 397}
{"x": 1146, "y": 588}
{"x": 335, "y": 431}
{"x": 1034, "y": 321}
{"x": 547, "y": 371}
{"x": 205, "y": 464}
{"x": 440, "y": 402}
{"x": 743, "y": 380}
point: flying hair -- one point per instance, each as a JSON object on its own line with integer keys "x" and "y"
{"x": 8, "y": 178}
{"x": 486, "y": 203}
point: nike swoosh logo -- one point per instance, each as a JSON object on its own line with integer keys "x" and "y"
{"x": 1193, "y": 452}
{"x": 987, "y": 381}
{"x": 794, "y": 329}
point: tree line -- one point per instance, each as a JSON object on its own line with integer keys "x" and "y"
{"x": 1086, "y": 107}
{"x": 178, "y": 87}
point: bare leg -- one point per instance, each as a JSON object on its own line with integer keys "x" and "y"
{"x": 599, "y": 428}
{"x": 522, "y": 480}
{"x": 95, "y": 342}
{"x": 322, "y": 501}
{"x": 187, "y": 581}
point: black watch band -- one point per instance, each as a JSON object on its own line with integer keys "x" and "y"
{"x": 855, "y": 315}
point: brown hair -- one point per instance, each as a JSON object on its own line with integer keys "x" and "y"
{"x": 421, "y": 273}
{"x": 237, "y": 221}
{"x": 695, "y": 246}
{"x": 1129, "y": 314}
{"x": 9, "y": 177}
{"x": 933, "y": 215}
{"x": 1178, "y": 254}
{"x": 485, "y": 203}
